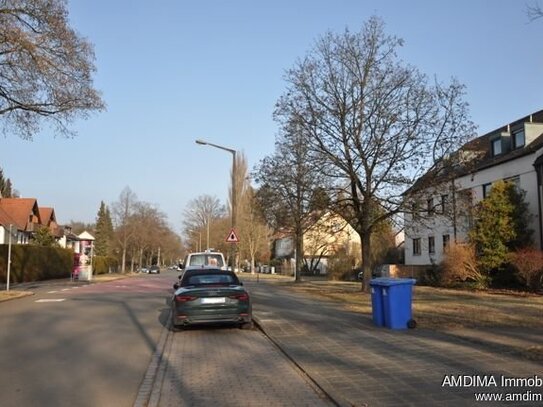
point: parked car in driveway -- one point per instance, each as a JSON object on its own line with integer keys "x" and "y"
{"x": 210, "y": 296}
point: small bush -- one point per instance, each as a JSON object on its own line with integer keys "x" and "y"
{"x": 430, "y": 276}
{"x": 104, "y": 264}
{"x": 340, "y": 266}
{"x": 529, "y": 266}
{"x": 460, "y": 265}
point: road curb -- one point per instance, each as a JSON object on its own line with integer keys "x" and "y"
{"x": 23, "y": 294}
{"x": 149, "y": 393}
{"x": 312, "y": 382}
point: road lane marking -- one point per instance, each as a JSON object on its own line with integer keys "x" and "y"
{"x": 52, "y": 292}
{"x": 51, "y": 300}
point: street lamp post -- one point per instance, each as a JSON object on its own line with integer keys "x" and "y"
{"x": 233, "y": 152}
{"x": 9, "y": 259}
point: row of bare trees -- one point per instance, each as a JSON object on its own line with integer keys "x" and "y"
{"x": 142, "y": 234}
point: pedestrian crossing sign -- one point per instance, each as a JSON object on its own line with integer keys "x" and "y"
{"x": 232, "y": 237}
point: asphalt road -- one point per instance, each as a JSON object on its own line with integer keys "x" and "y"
{"x": 73, "y": 344}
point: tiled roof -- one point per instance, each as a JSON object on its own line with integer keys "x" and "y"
{"x": 47, "y": 215}
{"x": 476, "y": 154}
{"x": 19, "y": 211}
{"x": 5, "y": 218}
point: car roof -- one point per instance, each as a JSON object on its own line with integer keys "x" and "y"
{"x": 207, "y": 270}
{"x": 205, "y": 252}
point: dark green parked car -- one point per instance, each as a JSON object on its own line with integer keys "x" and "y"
{"x": 210, "y": 296}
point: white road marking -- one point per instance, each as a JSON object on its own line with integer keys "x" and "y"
{"x": 52, "y": 292}
{"x": 51, "y": 300}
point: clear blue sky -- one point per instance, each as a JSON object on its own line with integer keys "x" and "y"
{"x": 172, "y": 71}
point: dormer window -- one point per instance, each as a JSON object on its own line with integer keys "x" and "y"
{"x": 518, "y": 138}
{"x": 496, "y": 146}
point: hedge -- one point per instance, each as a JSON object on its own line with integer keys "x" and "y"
{"x": 34, "y": 263}
{"x": 104, "y": 264}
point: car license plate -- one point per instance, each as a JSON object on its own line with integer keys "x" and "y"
{"x": 214, "y": 300}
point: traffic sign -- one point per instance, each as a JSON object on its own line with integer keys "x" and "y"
{"x": 232, "y": 237}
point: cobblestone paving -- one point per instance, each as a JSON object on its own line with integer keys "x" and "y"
{"x": 230, "y": 367}
{"x": 359, "y": 364}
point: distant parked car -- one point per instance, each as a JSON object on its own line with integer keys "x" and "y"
{"x": 154, "y": 269}
{"x": 210, "y": 296}
{"x": 143, "y": 270}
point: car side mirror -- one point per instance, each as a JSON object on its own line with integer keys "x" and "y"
{"x": 175, "y": 286}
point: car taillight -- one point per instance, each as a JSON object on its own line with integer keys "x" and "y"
{"x": 184, "y": 298}
{"x": 240, "y": 297}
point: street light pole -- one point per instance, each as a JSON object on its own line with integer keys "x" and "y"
{"x": 9, "y": 259}
{"x": 234, "y": 203}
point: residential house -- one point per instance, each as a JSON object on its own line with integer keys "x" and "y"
{"x": 49, "y": 219}
{"x": 69, "y": 240}
{"x": 328, "y": 234}
{"x": 22, "y": 215}
{"x": 441, "y": 214}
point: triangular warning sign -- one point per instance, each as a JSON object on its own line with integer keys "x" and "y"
{"x": 232, "y": 237}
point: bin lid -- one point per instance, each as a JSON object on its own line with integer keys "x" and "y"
{"x": 387, "y": 281}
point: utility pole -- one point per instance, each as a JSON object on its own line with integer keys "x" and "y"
{"x": 9, "y": 258}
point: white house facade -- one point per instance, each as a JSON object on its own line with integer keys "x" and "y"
{"x": 513, "y": 153}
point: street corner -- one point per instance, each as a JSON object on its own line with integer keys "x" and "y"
{"x": 12, "y": 295}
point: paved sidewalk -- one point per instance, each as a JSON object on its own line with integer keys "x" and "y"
{"x": 228, "y": 367}
{"x": 358, "y": 364}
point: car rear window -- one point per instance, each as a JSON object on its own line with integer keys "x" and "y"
{"x": 203, "y": 279}
{"x": 206, "y": 260}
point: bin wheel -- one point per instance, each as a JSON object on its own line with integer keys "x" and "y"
{"x": 411, "y": 324}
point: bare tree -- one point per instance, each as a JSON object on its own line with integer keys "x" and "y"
{"x": 376, "y": 123}
{"x": 289, "y": 180}
{"x": 534, "y": 11}
{"x": 45, "y": 68}
{"x": 242, "y": 185}
{"x": 254, "y": 233}
{"x": 123, "y": 210}
{"x": 200, "y": 214}
{"x": 148, "y": 224}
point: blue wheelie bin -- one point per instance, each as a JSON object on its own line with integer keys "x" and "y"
{"x": 377, "y": 302}
{"x": 397, "y": 302}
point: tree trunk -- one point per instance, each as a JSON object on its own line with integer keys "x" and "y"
{"x": 366, "y": 261}
{"x": 299, "y": 254}
{"x": 123, "y": 268}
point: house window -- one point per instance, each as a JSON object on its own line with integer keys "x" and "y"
{"x": 430, "y": 206}
{"x": 415, "y": 210}
{"x": 444, "y": 200}
{"x": 486, "y": 189}
{"x": 431, "y": 245}
{"x": 518, "y": 138}
{"x": 496, "y": 146}
{"x": 446, "y": 240}
{"x": 515, "y": 181}
{"x": 416, "y": 247}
